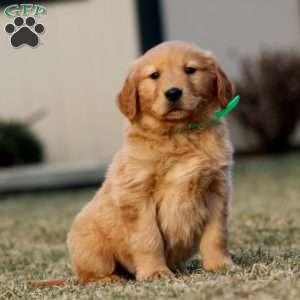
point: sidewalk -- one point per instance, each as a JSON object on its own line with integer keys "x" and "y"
{"x": 50, "y": 176}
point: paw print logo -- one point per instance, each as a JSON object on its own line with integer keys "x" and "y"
{"x": 24, "y": 32}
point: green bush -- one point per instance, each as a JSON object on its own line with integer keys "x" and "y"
{"x": 18, "y": 145}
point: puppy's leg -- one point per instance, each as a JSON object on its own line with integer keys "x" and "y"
{"x": 146, "y": 244}
{"x": 92, "y": 261}
{"x": 213, "y": 244}
{"x": 91, "y": 253}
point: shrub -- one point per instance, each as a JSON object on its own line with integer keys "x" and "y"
{"x": 18, "y": 145}
{"x": 270, "y": 91}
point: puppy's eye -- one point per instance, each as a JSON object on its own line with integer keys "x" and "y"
{"x": 190, "y": 70}
{"x": 155, "y": 75}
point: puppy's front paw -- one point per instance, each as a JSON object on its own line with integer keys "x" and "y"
{"x": 157, "y": 274}
{"x": 218, "y": 264}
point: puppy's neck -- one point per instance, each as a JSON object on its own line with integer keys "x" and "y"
{"x": 153, "y": 126}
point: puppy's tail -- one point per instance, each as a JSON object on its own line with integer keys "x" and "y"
{"x": 52, "y": 282}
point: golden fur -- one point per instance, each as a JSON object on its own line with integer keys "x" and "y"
{"x": 167, "y": 192}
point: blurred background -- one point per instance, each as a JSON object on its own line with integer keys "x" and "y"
{"x": 58, "y": 100}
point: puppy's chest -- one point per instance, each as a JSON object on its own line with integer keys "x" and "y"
{"x": 180, "y": 197}
{"x": 183, "y": 177}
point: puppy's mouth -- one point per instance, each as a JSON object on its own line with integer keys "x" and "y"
{"x": 176, "y": 114}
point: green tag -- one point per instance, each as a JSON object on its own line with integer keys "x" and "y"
{"x": 230, "y": 106}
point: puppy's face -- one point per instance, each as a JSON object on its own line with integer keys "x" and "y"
{"x": 173, "y": 81}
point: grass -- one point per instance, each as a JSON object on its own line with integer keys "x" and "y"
{"x": 264, "y": 242}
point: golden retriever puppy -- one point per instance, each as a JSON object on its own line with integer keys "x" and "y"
{"x": 167, "y": 191}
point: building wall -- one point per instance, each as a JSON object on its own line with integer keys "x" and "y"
{"x": 233, "y": 29}
{"x": 73, "y": 77}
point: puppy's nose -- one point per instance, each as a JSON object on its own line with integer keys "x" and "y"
{"x": 173, "y": 94}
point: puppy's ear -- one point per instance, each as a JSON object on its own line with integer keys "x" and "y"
{"x": 128, "y": 97}
{"x": 224, "y": 88}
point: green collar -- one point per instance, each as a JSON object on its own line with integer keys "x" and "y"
{"x": 219, "y": 114}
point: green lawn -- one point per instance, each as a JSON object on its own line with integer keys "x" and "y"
{"x": 264, "y": 242}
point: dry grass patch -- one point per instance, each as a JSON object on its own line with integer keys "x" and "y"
{"x": 265, "y": 243}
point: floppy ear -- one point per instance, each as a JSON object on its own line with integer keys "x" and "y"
{"x": 224, "y": 88}
{"x": 128, "y": 97}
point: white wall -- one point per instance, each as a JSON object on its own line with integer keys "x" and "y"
{"x": 74, "y": 76}
{"x": 233, "y": 29}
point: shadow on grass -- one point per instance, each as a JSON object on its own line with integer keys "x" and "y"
{"x": 247, "y": 258}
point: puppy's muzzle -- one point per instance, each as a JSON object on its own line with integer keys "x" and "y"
{"x": 173, "y": 94}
